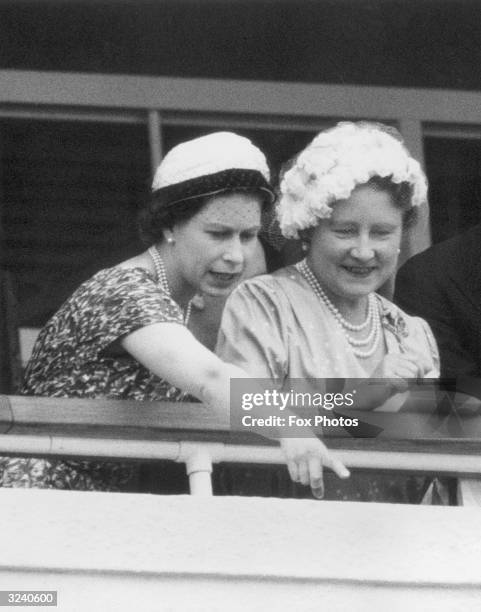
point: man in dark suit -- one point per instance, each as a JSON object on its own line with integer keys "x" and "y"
{"x": 443, "y": 286}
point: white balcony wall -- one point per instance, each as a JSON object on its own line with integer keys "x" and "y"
{"x": 116, "y": 552}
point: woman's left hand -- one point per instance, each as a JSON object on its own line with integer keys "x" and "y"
{"x": 306, "y": 458}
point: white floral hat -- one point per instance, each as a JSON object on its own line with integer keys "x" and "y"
{"x": 338, "y": 160}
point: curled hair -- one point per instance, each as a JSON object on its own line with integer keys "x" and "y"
{"x": 155, "y": 217}
{"x": 401, "y": 195}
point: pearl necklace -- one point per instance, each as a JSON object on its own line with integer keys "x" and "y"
{"x": 372, "y": 319}
{"x": 163, "y": 281}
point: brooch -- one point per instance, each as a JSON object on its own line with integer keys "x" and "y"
{"x": 395, "y": 323}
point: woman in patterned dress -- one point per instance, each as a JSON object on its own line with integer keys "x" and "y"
{"x": 123, "y": 333}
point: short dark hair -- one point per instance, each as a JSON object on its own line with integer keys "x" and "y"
{"x": 155, "y": 217}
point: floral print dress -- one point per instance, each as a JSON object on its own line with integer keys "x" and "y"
{"x": 78, "y": 354}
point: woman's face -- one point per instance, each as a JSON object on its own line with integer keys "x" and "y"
{"x": 212, "y": 249}
{"x": 356, "y": 250}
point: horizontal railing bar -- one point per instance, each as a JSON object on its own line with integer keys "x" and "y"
{"x": 129, "y": 420}
{"x": 102, "y": 448}
{"x": 372, "y": 459}
{"x": 26, "y": 411}
{"x": 47, "y": 445}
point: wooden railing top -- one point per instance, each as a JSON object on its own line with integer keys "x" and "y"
{"x": 142, "y": 420}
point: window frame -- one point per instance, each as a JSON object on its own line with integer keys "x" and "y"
{"x": 162, "y": 101}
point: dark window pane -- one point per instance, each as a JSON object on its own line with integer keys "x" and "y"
{"x": 71, "y": 192}
{"x": 454, "y": 170}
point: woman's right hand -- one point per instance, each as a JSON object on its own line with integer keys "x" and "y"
{"x": 390, "y": 377}
{"x": 306, "y": 458}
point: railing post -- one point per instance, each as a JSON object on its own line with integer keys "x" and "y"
{"x": 198, "y": 463}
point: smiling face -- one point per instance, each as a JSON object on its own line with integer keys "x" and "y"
{"x": 212, "y": 248}
{"x": 356, "y": 250}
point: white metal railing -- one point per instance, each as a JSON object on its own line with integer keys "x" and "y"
{"x": 199, "y": 457}
{"x": 192, "y": 434}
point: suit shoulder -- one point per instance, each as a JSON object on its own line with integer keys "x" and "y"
{"x": 454, "y": 252}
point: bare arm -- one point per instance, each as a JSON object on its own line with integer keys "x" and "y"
{"x": 171, "y": 352}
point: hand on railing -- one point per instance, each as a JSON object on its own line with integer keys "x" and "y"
{"x": 398, "y": 369}
{"x": 395, "y": 374}
{"x": 306, "y": 458}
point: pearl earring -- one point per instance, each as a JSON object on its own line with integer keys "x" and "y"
{"x": 171, "y": 240}
{"x": 304, "y": 246}
{"x": 198, "y": 301}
